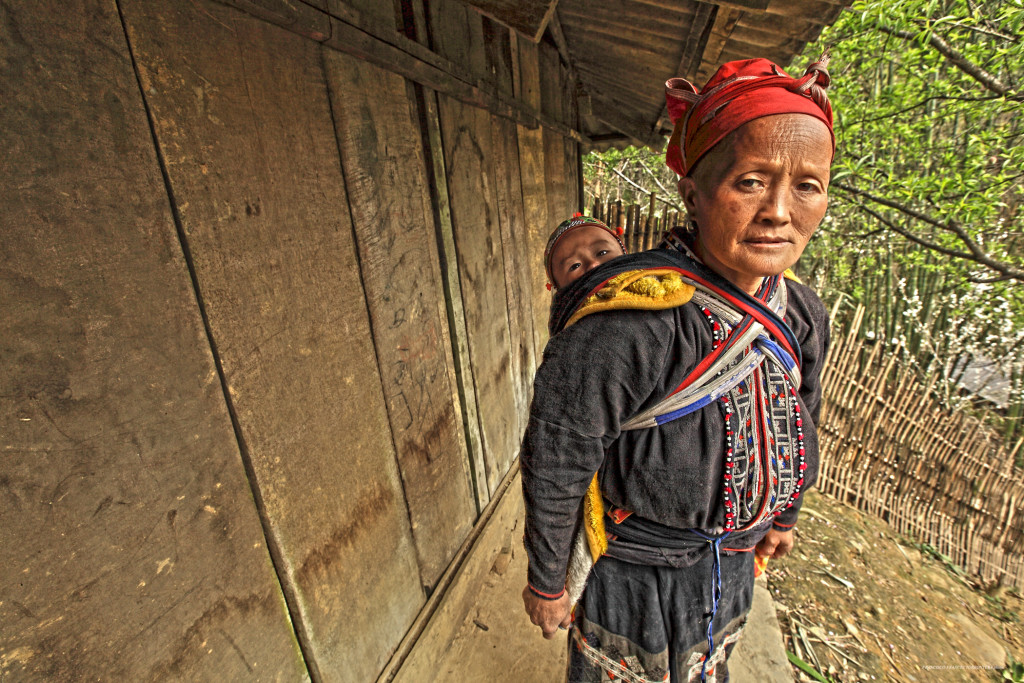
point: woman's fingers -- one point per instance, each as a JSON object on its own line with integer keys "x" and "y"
{"x": 548, "y": 614}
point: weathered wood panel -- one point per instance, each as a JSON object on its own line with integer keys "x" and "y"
{"x": 570, "y": 114}
{"x": 514, "y": 241}
{"x": 131, "y": 549}
{"x": 466, "y": 136}
{"x": 482, "y": 271}
{"x": 243, "y": 120}
{"x": 385, "y": 175}
{"x": 556, "y": 165}
{"x": 534, "y": 188}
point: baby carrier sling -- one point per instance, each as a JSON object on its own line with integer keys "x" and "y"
{"x": 758, "y": 333}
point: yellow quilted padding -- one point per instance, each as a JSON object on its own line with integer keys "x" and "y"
{"x": 593, "y": 520}
{"x": 653, "y": 289}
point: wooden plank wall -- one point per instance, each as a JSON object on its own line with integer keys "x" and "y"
{"x": 131, "y": 549}
{"x": 272, "y": 314}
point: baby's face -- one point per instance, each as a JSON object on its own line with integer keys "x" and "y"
{"x": 580, "y": 251}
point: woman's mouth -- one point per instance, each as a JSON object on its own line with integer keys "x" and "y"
{"x": 767, "y": 241}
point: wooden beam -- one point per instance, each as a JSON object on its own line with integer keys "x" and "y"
{"x": 721, "y": 30}
{"x": 742, "y": 5}
{"x": 608, "y": 114}
{"x": 356, "y": 33}
{"x": 559, "y": 37}
{"x": 529, "y": 17}
{"x": 690, "y": 61}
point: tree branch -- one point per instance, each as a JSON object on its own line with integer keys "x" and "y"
{"x": 663, "y": 188}
{"x": 653, "y": 176}
{"x": 989, "y": 81}
{"x": 976, "y": 29}
{"x": 925, "y": 101}
{"x": 914, "y": 238}
{"x": 656, "y": 196}
{"x": 975, "y": 252}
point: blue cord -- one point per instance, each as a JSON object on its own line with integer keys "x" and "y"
{"x": 716, "y": 595}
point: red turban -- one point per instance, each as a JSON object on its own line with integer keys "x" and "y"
{"x": 739, "y": 92}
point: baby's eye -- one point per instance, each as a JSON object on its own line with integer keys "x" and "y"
{"x": 602, "y": 252}
{"x": 573, "y": 267}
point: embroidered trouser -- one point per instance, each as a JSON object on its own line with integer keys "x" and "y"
{"x": 641, "y": 623}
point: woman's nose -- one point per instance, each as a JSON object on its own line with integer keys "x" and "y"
{"x": 776, "y": 206}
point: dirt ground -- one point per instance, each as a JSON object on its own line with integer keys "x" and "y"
{"x": 858, "y": 602}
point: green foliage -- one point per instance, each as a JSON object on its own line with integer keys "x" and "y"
{"x": 926, "y": 224}
{"x": 926, "y": 220}
{"x": 1014, "y": 671}
{"x": 808, "y": 669}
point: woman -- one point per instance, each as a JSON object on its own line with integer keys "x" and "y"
{"x": 698, "y": 419}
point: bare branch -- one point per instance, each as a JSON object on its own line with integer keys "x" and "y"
{"x": 667, "y": 202}
{"x": 989, "y": 81}
{"x": 653, "y": 176}
{"x": 994, "y": 34}
{"x": 912, "y": 237}
{"x": 656, "y": 195}
{"x": 975, "y": 252}
{"x": 989, "y": 280}
{"x": 630, "y": 181}
{"x": 925, "y": 101}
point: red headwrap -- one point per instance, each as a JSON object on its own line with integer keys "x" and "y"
{"x": 739, "y": 92}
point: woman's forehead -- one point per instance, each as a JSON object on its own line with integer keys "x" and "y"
{"x": 794, "y": 137}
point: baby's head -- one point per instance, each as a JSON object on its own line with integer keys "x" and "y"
{"x": 577, "y": 246}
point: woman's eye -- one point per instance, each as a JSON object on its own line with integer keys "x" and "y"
{"x": 807, "y": 187}
{"x": 750, "y": 183}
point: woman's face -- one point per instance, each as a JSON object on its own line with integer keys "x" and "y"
{"x": 758, "y": 196}
{"x": 581, "y": 250}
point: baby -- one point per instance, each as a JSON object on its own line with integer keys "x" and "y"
{"x": 577, "y": 246}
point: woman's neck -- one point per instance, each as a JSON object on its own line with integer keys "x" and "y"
{"x": 748, "y": 283}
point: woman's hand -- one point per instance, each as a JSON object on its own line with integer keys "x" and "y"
{"x": 550, "y": 615}
{"x": 775, "y": 544}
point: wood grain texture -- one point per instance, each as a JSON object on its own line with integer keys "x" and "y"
{"x": 529, "y": 17}
{"x": 532, "y": 181}
{"x": 466, "y": 134}
{"x": 131, "y": 546}
{"x": 385, "y": 175}
{"x": 503, "y": 65}
{"x": 556, "y": 165}
{"x": 243, "y": 120}
{"x": 482, "y": 272}
{"x": 514, "y": 244}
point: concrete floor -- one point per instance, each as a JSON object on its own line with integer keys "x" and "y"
{"x": 498, "y": 643}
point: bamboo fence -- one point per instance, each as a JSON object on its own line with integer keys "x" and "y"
{"x": 890, "y": 449}
{"x": 640, "y": 231}
{"x": 938, "y": 475}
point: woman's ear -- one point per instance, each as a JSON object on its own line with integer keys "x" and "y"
{"x": 688, "y": 191}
